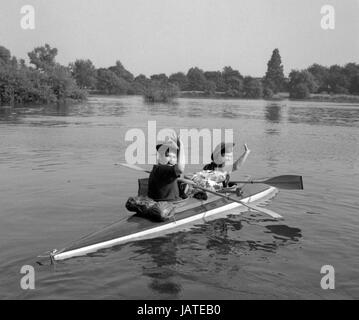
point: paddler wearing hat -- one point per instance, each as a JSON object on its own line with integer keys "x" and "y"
{"x": 222, "y": 159}
{"x": 162, "y": 184}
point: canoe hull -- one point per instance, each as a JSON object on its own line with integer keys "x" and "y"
{"x": 188, "y": 212}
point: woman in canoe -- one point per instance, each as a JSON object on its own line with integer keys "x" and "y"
{"x": 222, "y": 156}
{"x": 162, "y": 184}
{"x": 216, "y": 174}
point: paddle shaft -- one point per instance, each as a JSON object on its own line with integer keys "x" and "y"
{"x": 290, "y": 182}
{"x": 265, "y": 211}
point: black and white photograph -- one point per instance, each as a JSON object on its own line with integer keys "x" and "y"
{"x": 179, "y": 153}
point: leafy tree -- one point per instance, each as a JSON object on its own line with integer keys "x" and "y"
{"x": 321, "y": 75}
{"x": 22, "y": 63}
{"x": 267, "y": 93}
{"x": 159, "y": 77}
{"x": 229, "y": 74}
{"x": 5, "y": 55}
{"x": 216, "y": 77}
{"x": 20, "y": 85}
{"x": 233, "y": 82}
{"x": 120, "y": 71}
{"x": 299, "y": 91}
{"x": 35, "y": 87}
{"x": 354, "y": 85}
{"x": 338, "y": 81}
{"x": 43, "y": 57}
{"x": 301, "y": 84}
{"x": 252, "y": 88}
{"x": 62, "y": 83}
{"x": 142, "y": 79}
{"x": 180, "y": 79}
{"x": 196, "y": 79}
{"x": 108, "y": 82}
{"x": 160, "y": 91}
{"x": 274, "y": 78}
{"x": 210, "y": 88}
{"x": 351, "y": 71}
{"x": 140, "y": 84}
{"x": 49, "y": 82}
{"x": 84, "y": 73}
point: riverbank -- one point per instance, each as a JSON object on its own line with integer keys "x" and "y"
{"x": 340, "y": 98}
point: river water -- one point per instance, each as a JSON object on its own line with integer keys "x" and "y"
{"x": 58, "y": 182}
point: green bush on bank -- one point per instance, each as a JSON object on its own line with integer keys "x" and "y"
{"x": 46, "y": 82}
{"x": 158, "y": 91}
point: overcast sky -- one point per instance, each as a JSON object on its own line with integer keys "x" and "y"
{"x": 155, "y": 36}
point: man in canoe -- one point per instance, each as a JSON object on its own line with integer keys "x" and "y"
{"x": 162, "y": 184}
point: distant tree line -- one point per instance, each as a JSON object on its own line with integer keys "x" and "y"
{"x": 46, "y": 81}
{"x": 320, "y": 79}
{"x": 226, "y": 83}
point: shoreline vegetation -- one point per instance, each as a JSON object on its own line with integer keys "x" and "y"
{"x": 44, "y": 81}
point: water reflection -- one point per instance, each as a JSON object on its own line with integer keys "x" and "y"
{"x": 273, "y": 113}
{"x": 8, "y": 117}
{"x": 272, "y": 131}
{"x": 222, "y": 243}
{"x": 284, "y": 233}
{"x": 85, "y": 109}
{"x": 334, "y": 116}
{"x": 155, "y": 109}
{"x": 211, "y": 248}
{"x": 228, "y": 112}
{"x": 163, "y": 251}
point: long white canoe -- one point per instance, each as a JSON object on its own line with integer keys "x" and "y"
{"x": 188, "y": 212}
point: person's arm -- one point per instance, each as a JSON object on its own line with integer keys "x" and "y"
{"x": 181, "y": 162}
{"x": 241, "y": 159}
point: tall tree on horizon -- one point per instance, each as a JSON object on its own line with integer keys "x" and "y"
{"x": 84, "y": 73}
{"x": 274, "y": 78}
{"x": 5, "y": 54}
{"x": 43, "y": 57}
{"x": 120, "y": 71}
{"x": 196, "y": 79}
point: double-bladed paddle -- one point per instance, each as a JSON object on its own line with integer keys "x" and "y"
{"x": 289, "y": 182}
{"x": 253, "y": 207}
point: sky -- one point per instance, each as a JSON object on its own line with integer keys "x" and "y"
{"x": 167, "y": 36}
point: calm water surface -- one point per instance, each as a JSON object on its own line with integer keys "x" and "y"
{"x": 58, "y": 183}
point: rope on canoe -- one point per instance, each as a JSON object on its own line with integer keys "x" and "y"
{"x": 70, "y": 244}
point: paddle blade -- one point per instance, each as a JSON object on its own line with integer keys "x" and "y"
{"x": 266, "y": 211}
{"x": 290, "y": 182}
